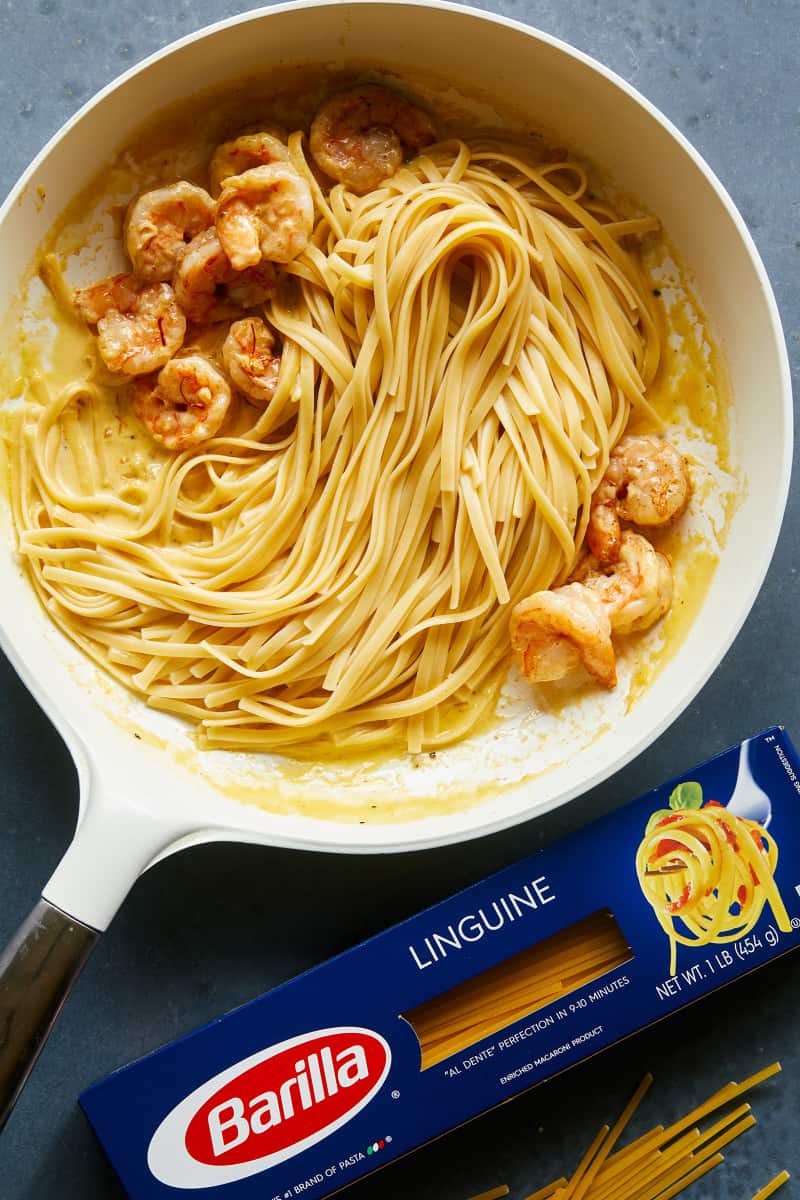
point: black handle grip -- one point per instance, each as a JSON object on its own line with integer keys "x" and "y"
{"x": 37, "y": 971}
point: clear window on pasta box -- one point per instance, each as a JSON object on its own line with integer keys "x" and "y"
{"x": 530, "y": 980}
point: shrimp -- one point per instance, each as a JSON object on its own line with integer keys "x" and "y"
{"x": 556, "y": 631}
{"x": 139, "y": 325}
{"x": 246, "y": 289}
{"x": 251, "y": 360}
{"x": 159, "y": 224}
{"x": 636, "y": 590}
{"x": 265, "y": 213}
{"x": 646, "y": 483}
{"x": 358, "y": 137}
{"x": 250, "y": 150}
{"x": 208, "y": 288}
{"x": 185, "y": 405}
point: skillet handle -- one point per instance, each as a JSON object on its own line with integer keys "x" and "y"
{"x": 37, "y": 971}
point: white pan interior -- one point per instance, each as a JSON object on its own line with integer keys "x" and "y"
{"x": 531, "y": 761}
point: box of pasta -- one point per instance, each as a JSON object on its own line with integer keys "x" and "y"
{"x": 490, "y": 992}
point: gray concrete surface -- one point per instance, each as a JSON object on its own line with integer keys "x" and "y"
{"x": 209, "y": 929}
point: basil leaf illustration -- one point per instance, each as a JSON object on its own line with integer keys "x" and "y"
{"x": 686, "y": 795}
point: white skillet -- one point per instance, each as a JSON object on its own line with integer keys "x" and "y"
{"x": 140, "y": 798}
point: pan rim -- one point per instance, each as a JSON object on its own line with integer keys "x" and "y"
{"x": 468, "y": 823}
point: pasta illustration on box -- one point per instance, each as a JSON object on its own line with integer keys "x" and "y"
{"x": 707, "y": 870}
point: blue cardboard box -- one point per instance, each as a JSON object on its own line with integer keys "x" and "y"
{"x": 330, "y": 1076}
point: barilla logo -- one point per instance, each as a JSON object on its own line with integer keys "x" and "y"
{"x": 269, "y": 1107}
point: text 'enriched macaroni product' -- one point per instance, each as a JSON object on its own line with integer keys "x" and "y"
{"x": 494, "y": 990}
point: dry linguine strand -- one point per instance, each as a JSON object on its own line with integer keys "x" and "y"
{"x": 662, "y": 1163}
{"x": 461, "y": 349}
